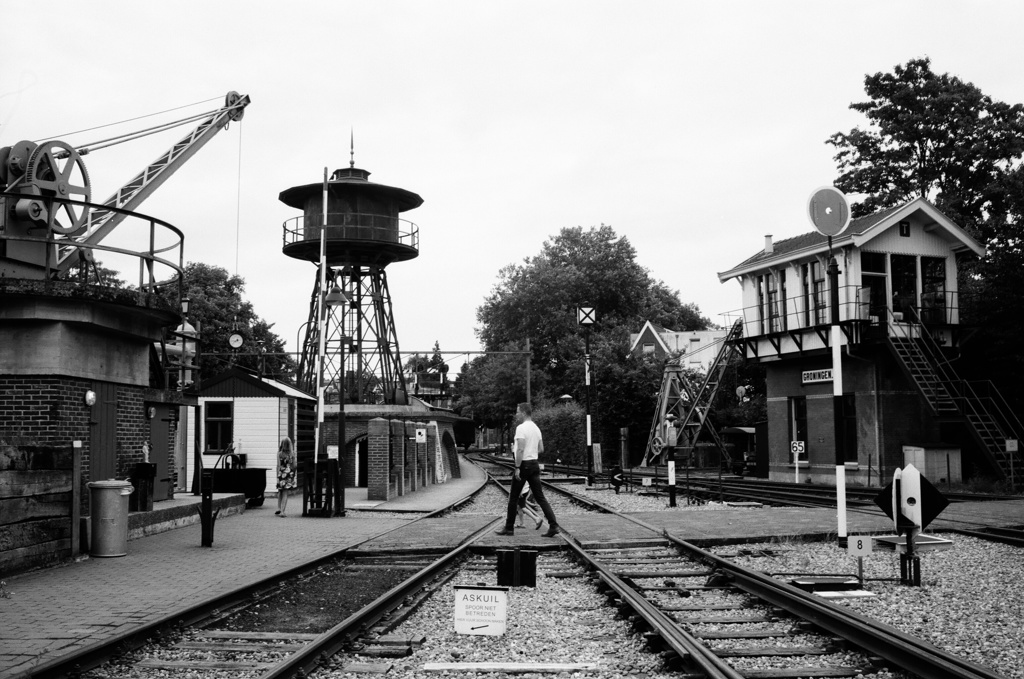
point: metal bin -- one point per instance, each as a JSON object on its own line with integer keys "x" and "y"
{"x": 109, "y": 517}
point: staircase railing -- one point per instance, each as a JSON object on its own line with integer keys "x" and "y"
{"x": 990, "y": 425}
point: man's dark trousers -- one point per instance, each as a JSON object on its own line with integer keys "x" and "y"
{"x": 529, "y": 472}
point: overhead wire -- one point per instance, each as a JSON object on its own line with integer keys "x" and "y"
{"x": 128, "y": 120}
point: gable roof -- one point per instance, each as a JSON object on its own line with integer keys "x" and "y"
{"x": 655, "y": 332}
{"x": 241, "y": 383}
{"x": 859, "y": 232}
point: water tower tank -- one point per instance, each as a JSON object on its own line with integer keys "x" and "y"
{"x": 363, "y": 225}
{"x": 363, "y": 234}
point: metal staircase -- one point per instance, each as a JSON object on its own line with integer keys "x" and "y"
{"x": 690, "y": 406}
{"x": 978, "y": 404}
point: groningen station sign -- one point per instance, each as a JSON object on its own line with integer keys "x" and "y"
{"x": 813, "y": 376}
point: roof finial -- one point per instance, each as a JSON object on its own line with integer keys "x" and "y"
{"x": 351, "y": 148}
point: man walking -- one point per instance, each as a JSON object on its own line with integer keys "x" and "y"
{"x": 528, "y": 445}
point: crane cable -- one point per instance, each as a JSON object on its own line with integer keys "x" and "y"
{"x": 238, "y": 199}
{"x": 84, "y": 149}
{"x": 129, "y": 120}
{"x": 131, "y": 136}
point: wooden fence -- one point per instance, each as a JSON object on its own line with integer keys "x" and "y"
{"x": 40, "y": 489}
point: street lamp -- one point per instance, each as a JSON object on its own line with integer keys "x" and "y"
{"x": 586, "y": 316}
{"x": 336, "y": 297}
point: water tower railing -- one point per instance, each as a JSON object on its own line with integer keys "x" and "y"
{"x": 353, "y": 226}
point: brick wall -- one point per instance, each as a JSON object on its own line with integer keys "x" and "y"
{"x": 377, "y": 477}
{"x": 397, "y": 466}
{"x": 132, "y": 429}
{"x": 409, "y": 466}
{"x": 44, "y": 410}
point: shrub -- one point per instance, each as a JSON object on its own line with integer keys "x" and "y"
{"x": 564, "y": 428}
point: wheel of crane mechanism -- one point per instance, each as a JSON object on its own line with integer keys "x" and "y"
{"x": 657, "y": 445}
{"x": 232, "y": 99}
{"x": 57, "y": 170}
{"x": 15, "y": 160}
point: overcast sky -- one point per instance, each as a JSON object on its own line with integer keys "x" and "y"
{"x": 694, "y": 129}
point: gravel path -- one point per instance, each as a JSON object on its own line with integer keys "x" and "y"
{"x": 563, "y": 620}
{"x": 970, "y": 602}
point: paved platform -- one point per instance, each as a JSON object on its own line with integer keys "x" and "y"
{"x": 55, "y": 611}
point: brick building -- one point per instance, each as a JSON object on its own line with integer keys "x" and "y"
{"x": 900, "y": 325}
{"x": 83, "y": 393}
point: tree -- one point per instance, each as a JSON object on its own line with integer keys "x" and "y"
{"x": 537, "y": 300}
{"x": 219, "y": 309}
{"x": 938, "y": 137}
{"x": 490, "y": 387}
{"x": 932, "y": 136}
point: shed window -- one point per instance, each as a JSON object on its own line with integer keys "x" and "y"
{"x": 219, "y": 424}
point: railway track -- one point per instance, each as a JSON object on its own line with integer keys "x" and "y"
{"x": 706, "y": 616}
{"x": 716, "y": 618}
{"x": 704, "y": 487}
{"x": 187, "y": 624}
{"x": 685, "y": 574}
{"x": 1007, "y": 536}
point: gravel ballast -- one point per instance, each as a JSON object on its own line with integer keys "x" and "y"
{"x": 970, "y": 602}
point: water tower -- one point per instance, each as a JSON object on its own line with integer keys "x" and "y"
{"x": 351, "y": 229}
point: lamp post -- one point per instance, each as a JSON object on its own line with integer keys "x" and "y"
{"x": 329, "y": 299}
{"x": 586, "y": 316}
{"x": 830, "y": 214}
{"x": 335, "y": 298}
{"x": 185, "y": 304}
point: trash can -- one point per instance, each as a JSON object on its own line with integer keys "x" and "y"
{"x": 109, "y": 517}
{"x": 142, "y": 478}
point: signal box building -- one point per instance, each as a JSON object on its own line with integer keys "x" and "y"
{"x": 900, "y": 323}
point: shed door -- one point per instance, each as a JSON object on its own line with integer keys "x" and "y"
{"x": 103, "y": 433}
{"x": 160, "y": 451}
{"x": 361, "y": 472}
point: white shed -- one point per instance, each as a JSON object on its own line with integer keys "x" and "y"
{"x": 251, "y": 414}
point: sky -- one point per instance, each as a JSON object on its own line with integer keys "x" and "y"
{"x": 692, "y": 128}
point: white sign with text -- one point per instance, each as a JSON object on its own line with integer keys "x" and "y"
{"x": 480, "y": 610}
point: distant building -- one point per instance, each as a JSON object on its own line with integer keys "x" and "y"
{"x": 899, "y": 318}
{"x": 697, "y": 348}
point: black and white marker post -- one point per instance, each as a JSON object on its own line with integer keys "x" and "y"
{"x": 830, "y": 213}
{"x": 912, "y": 503}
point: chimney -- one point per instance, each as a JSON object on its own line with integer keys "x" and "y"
{"x": 768, "y": 247}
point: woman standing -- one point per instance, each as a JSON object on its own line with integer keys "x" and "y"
{"x": 285, "y": 474}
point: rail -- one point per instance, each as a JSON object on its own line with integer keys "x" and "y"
{"x": 811, "y": 311}
{"x": 357, "y": 226}
{"x": 152, "y": 246}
